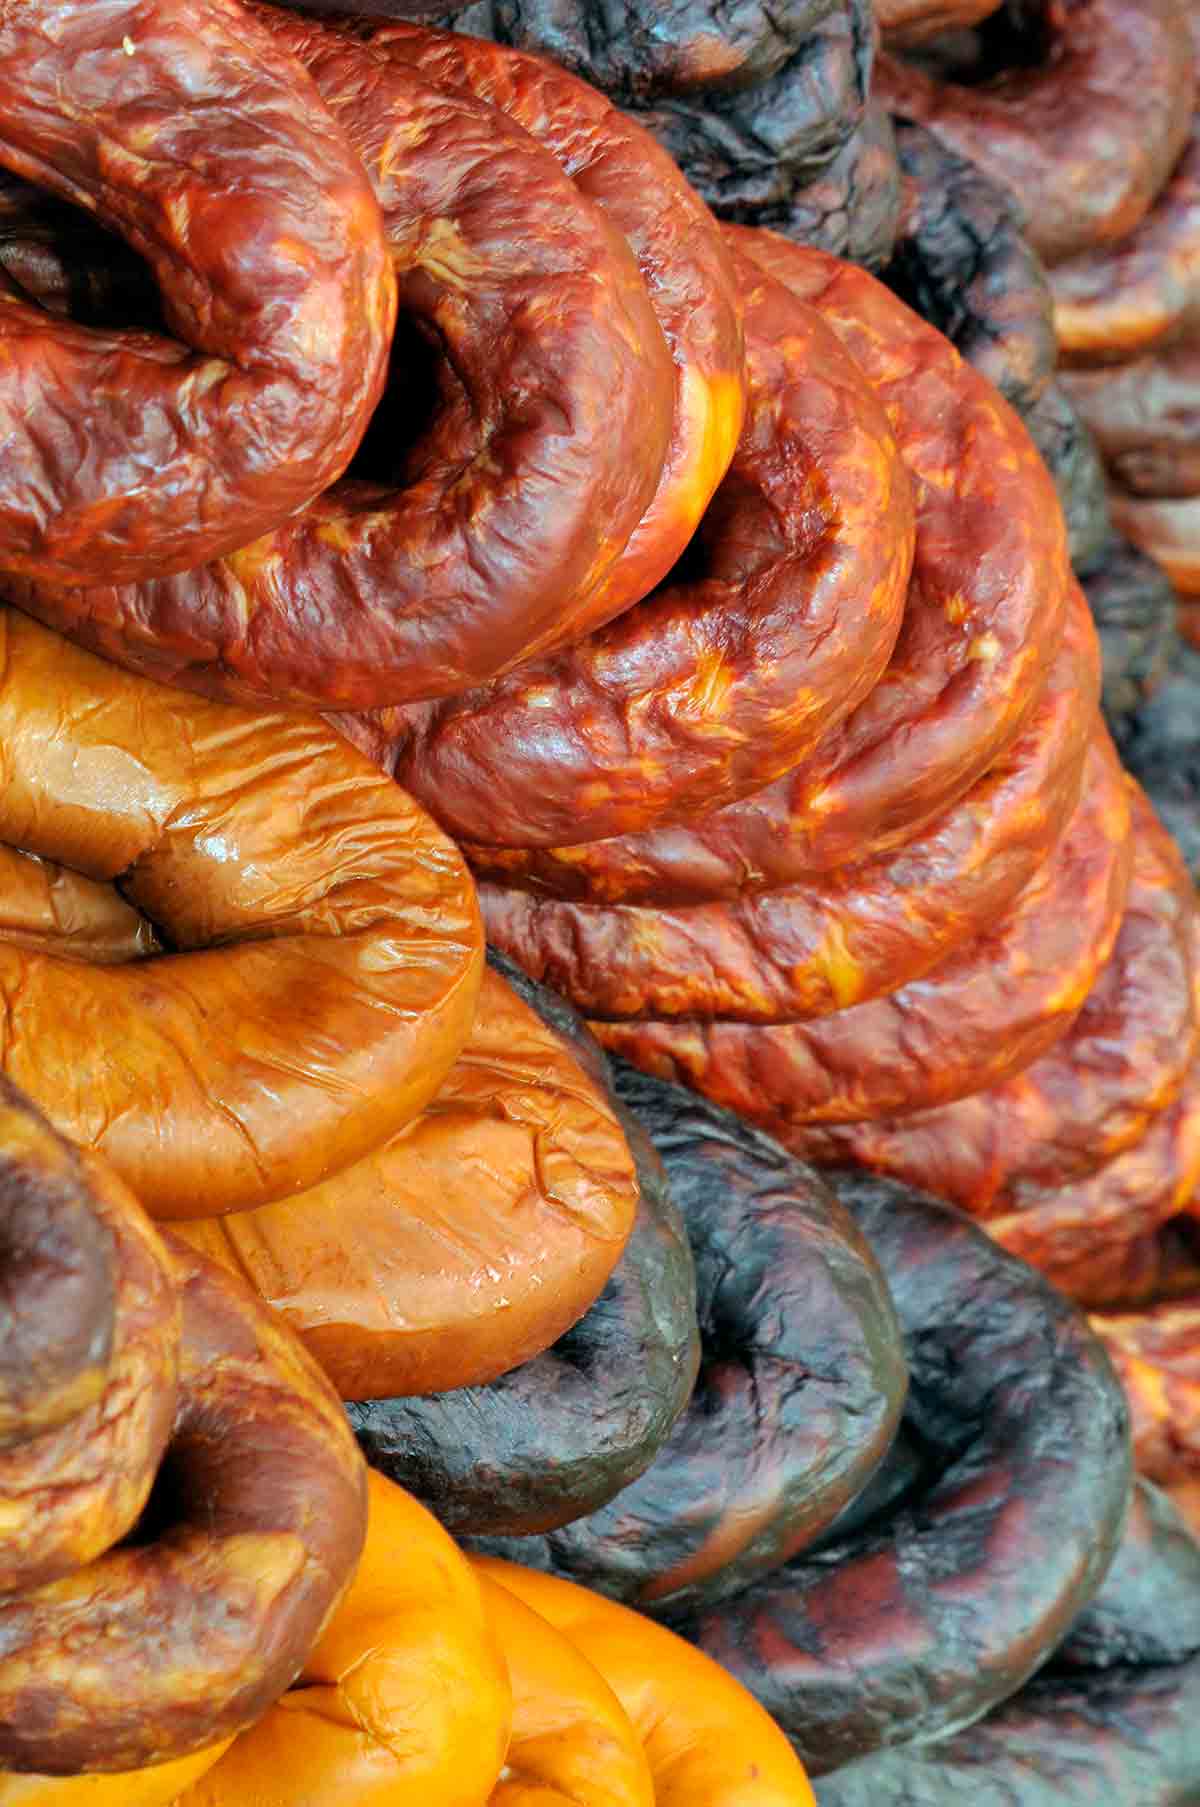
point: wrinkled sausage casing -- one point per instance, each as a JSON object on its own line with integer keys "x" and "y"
{"x": 1084, "y": 139}
{"x": 505, "y": 502}
{"x": 858, "y": 933}
{"x": 800, "y": 1387}
{"x": 467, "y": 1243}
{"x": 984, "y": 1013}
{"x": 127, "y": 455}
{"x": 326, "y": 948}
{"x": 723, "y": 680}
{"x": 916, "y": 1625}
{"x": 982, "y": 623}
{"x": 1146, "y": 418}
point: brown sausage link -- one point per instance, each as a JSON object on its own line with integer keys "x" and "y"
{"x": 50, "y": 909}
{"x": 88, "y": 1358}
{"x": 854, "y": 934}
{"x": 555, "y": 393}
{"x": 125, "y": 456}
{"x": 1146, "y": 418}
{"x": 1124, "y": 1060}
{"x": 687, "y": 270}
{"x": 326, "y": 949}
{"x": 981, "y": 627}
{"x": 1084, "y": 140}
{"x": 190, "y": 1632}
{"x": 724, "y": 680}
{"x": 985, "y": 1013}
{"x": 1166, "y": 528}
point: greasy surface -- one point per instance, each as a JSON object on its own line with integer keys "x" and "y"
{"x": 984, "y": 1013}
{"x": 1123, "y": 1060}
{"x": 467, "y": 1243}
{"x": 190, "y": 1631}
{"x": 48, "y": 907}
{"x": 325, "y": 940}
{"x": 1169, "y": 530}
{"x": 503, "y": 498}
{"x": 1148, "y": 1607}
{"x": 1118, "y": 300}
{"x": 88, "y": 1355}
{"x": 1084, "y": 137}
{"x": 1157, "y": 1355}
{"x": 572, "y": 1744}
{"x": 126, "y": 455}
{"x": 1127, "y": 1736}
{"x": 707, "y": 1742}
{"x": 981, "y": 625}
{"x": 747, "y": 148}
{"x": 159, "y": 1786}
{"x": 1073, "y": 460}
{"x": 557, "y": 1437}
{"x": 732, "y": 673}
{"x": 1133, "y": 606}
{"x": 919, "y": 1625}
{"x": 1146, "y": 419}
{"x": 853, "y": 934}
{"x": 801, "y": 1379}
{"x": 404, "y": 1697}
{"x": 683, "y": 262}
{"x": 963, "y": 263}
{"x": 850, "y": 207}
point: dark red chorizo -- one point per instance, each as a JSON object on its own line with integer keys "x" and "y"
{"x": 485, "y": 523}
{"x": 786, "y": 617}
{"x": 1124, "y": 1060}
{"x": 917, "y": 1625}
{"x": 984, "y": 1013}
{"x": 1156, "y": 1352}
{"x": 853, "y": 934}
{"x": 800, "y": 1384}
{"x": 139, "y": 1624}
{"x": 982, "y": 625}
{"x": 1146, "y": 418}
{"x": 683, "y": 262}
{"x": 182, "y": 126}
{"x": 1083, "y": 139}
{"x": 963, "y": 263}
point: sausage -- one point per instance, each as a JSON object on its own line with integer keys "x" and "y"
{"x": 1084, "y": 138}
{"x": 707, "y": 1742}
{"x": 439, "y": 565}
{"x": 983, "y": 1014}
{"x": 854, "y": 934}
{"x": 1133, "y": 606}
{"x": 1146, "y": 418}
{"x": 1168, "y": 529}
{"x": 1123, "y": 1061}
{"x": 166, "y": 1369}
{"x": 1160, "y": 744}
{"x": 464, "y": 1245}
{"x": 982, "y": 624}
{"x": 1072, "y": 456}
{"x": 728, "y": 676}
{"x": 800, "y": 1385}
{"x": 908, "y": 22}
{"x": 1156, "y": 1352}
{"x": 1147, "y": 1610}
{"x": 279, "y": 308}
{"x": 687, "y": 271}
{"x": 405, "y": 1692}
{"x": 963, "y": 263}
{"x": 918, "y": 1625}
{"x": 325, "y": 945}
{"x": 850, "y": 208}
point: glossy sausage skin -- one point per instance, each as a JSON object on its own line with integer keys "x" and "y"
{"x": 919, "y": 1624}
{"x": 854, "y": 934}
{"x": 442, "y": 563}
{"x": 126, "y": 456}
{"x": 325, "y": 943}
{"x": 1146, "y": 418}
{"x": 1085, "y": 138}
{"x": 728, "y": 677}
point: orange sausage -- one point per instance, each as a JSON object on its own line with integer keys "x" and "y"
{"x": 709, "y": 1744}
